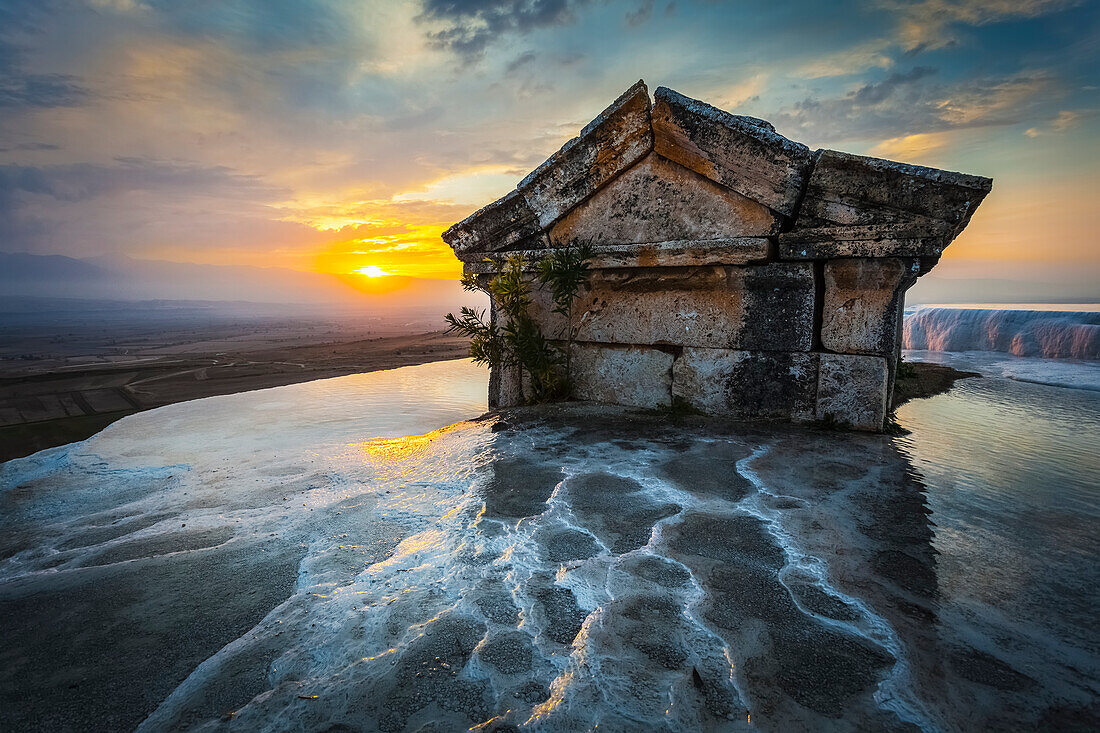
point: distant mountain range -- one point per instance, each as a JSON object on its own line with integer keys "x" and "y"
{"x": 121, "y": 278}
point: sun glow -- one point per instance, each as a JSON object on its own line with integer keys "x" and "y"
{"x": 372, "y": 271}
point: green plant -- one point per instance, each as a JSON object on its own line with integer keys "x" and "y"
{"x": 486, "y": 346}
{"x": 514, "y": 340}
{"x": 565, "y": 271}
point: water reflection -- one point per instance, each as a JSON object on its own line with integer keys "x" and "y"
{"x": 1013, "y": 483}
{"x": 575, "y": 566}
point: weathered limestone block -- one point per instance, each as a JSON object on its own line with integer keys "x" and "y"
{"x": 617, "y": 139}
{"x": 743, "y": 153}
{"x": 747, "y": 384}
{"x": 659, "y": 201}
{"x": 863, "y": 304}
{"x": 852, "y": 390}
{"x": 850, "y": 197}
{"x": 679, "y": 253}
{"x": 622, "y": 375}
{"x": 762, "y": 307}
{"x": 851, "y": 190}
{"x": 880, "y": 240}
{"x": 682, "y": 253}
{"x": 507, "y": 388}
{"x": 505, "y": 224}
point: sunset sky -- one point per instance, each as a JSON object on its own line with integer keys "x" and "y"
{"x": 339, "y": 136}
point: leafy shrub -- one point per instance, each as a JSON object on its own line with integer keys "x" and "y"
{"x": 517, "y": 341}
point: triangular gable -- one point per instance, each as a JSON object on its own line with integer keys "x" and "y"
{"x": 657, "y": 200}
{"x": 816, "y": 205}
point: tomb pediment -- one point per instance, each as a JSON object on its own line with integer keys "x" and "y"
{"x": 656, "y": 201}
{"x": 733, "y": 270}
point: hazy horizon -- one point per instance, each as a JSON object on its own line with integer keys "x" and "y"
{"x": 337, "y": 138}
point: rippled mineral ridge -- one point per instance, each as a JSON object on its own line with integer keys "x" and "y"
{"x": 264, "y": 562}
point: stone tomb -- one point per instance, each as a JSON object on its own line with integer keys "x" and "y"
{"x": 736, "y": 271}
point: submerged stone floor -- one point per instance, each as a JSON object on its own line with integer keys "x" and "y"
{"x": 549, "y": 568}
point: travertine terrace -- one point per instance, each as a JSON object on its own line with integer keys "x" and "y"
{"x": 736, "y": 271}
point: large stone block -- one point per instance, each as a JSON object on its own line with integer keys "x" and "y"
{"x": 505, "y": 224}
{"x": 853, "y": 390}
{"x": 869, "y": 207}
{"x": 854, "y": 190}
{"x": 863, "y": 302}
{"x": 617, "y": 139}
{"x": 622, "y": 375}
{"x": 679, "y": 253}
{"x": 659, "y": 201}
{"x": 757, "y": 307}
{"x": 743, "y": 153}
{"x": 747, "y": 384}
{"x": 507, "y": 387}
{"x": 877, "y": 240}
{"x": 682, "y": 253}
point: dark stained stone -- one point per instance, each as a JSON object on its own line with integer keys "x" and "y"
{"x": 756, "y": 307}
{"x": 772, "y": 385}
{"x": 674, "y": 253}
{"x": 852, "y": 390}
{"x": 874, "y": 240}
{"x": 854, "y": 190}
{"x": 859, "y": 206}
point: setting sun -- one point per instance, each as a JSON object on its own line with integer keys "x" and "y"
{"x": 372, "y": 271}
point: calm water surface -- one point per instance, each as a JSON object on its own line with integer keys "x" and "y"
{"x": 323, "y": 557}
{"x": 1012, "y": 476}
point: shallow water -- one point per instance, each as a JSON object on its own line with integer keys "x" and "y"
{"x": 572, "y": 567}
{"x": 1012, "y": 476}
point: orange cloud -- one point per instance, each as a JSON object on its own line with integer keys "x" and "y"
{"x": 912, "y": 148}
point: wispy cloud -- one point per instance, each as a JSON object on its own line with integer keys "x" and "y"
{"x": 311, "y": 131}
{"x": 1065, "y": 120}
{"x": 912, "y": 148}
{"x": 871, "y": 54}
{"x": 909, "y": 103}
{"x": 467, "y": 27}
{"x": 640, "y": 14}
{"x": 82, "y": 181}
{"x": 41, "y": 90}
{"x": 931, "y": 24}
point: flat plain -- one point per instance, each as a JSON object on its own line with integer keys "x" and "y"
{"x": 70, "y": 368}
